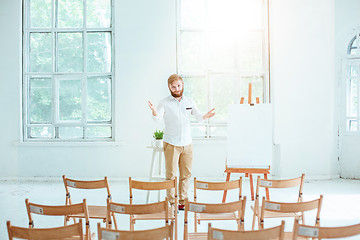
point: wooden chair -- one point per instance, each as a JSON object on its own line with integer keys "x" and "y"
{"x": 215, "y": 186}
{"x": 151, "y": 234}
{"x": 275, "y": 233}
{"x": 275, "y": 184}
{"x": 217, "y": 211}
{"x": 95, "y": 212}
{"x": 149, "y": 186}
{"x": 290, "y": 210}
{"x": 137, "y": 209}
{"x": 301, "y": 230}
{"x": 74, "y": 231}
{"x": 62, "y": 210}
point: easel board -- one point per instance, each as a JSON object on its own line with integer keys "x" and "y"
{"x": 250, "y": 136}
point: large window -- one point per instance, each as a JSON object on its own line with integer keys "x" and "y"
{"x": 222, "y": 47}
{"x": 351, "y": 70}
{"x": 68, "y": 70}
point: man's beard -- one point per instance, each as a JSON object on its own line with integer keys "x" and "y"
{"x": 177, "y": 95}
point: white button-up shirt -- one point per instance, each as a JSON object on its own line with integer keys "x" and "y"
{"x": 176, "y": 115}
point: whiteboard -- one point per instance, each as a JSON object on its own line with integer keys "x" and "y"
{"x": 249, "y": 138}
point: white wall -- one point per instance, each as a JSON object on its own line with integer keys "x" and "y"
{"x": 303, "y": 86}
{"x": 302, "y": 63}
{"x": 347, "y": 24}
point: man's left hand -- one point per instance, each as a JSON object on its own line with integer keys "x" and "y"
{"x": 210, "y": 114}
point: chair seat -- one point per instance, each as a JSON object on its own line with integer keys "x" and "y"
{"x": 98, "y": 212}
{"x": 197, "y": 236}
{"x": 155, "y": 216}
{"x": 270, "y": 214}
{"x": 216, "y": 216}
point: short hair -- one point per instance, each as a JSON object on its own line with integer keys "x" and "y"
{"x": 174, "y": 78}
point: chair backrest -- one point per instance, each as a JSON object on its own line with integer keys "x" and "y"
{"x": 151, "y": 234}
{"x": 297, "y": 207}
{"x": 238, "y": 207}
{"x": 60, "y": 210}
{"x": 275, "y": 233}
{"x": 301, "y": 230}
{"x": 138, "y": 209}
{"x": 79, "y": 184}
{"x": 64, "y": 232}
{"x": 284, "y": 183}
{"x": 163, "y": 185}
{"x": 217, "y": 186}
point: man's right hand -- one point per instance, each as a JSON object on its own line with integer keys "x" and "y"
{"x": 153, "y": 109}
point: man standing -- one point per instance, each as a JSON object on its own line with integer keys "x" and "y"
{"x": 176, "y": 111}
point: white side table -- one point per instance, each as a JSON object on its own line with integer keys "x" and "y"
{"x": 160, "y": 175}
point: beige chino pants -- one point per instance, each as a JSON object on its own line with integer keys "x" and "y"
{"x": 178, "y": 156}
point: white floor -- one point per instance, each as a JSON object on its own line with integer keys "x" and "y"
{"x": 341, "y": 204}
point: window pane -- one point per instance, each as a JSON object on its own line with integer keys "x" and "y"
{"x": 70, "y": 132}
{"x": 70, "y": 52}
{"x": 196, "y": 88}
{"x": 234, "y": 14}
{"x": 98, "y": 13}
{"x": 354, "y": 70}
{"x": 221, "y": 51}
{"x": 99, "y": 52}
{"x": 353, "y": 104}
{"x": 99, "y": 99}
{"x": 98, "y": 132}
{"x": 224, "y": 93}
{"x": 250, "y": 52}
{"x": 192, "y": 13}
{"x": 40, "y": 98}
{"x": 40, "y": 52}
{"x": 351, "y": 125}
{"x": 192, "y": 52}
{"x": 218, "y": 131}
{"x": 40, "y": 13}
{"x": 198, "y": 131}
{"x": 70, "y": 13}
{"x": 70, "y": 100}
{"x": 40, "y": 132}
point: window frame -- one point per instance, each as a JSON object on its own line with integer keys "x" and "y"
{"x": 55, "y": 76}
{"x": 348, "y": 60}
{"x": 265, "y": 73}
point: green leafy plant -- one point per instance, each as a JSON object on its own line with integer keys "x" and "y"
{"x": 158, "y": 134}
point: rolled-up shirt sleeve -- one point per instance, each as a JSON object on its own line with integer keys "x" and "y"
{"x": 160, "y": 112}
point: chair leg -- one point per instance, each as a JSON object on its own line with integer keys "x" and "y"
{"x": 176, "y": 227}
{"x": 254, "y": 218}
{"x": 113, "y": 216}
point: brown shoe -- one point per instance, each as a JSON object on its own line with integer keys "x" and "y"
{"x": 181, "y": 207}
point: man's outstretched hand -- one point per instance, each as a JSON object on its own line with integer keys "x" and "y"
{"x": 210, "y": 114}
{"x": 153, "y": 108}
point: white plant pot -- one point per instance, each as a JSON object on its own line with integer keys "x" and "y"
{"x": 158, "y": 143}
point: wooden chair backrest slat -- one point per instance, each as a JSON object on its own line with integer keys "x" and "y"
{"x": 61, "y": 210}
{"x": 69, "y": 231}
{"x": 218, "y": 186}
{"x": 301, "y": 230}
{"x": 291, "y": 207}
{"x": 275, "y": 233}
{"x": 137, "y": 209}
{"x": 151, "y": 234}
{"x": 151, "y": 185}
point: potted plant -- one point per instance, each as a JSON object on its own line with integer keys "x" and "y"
{"x": 158, "y": 136}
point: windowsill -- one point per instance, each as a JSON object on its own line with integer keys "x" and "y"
{"x": 68, "y": 144}
{"x": 209, "y": 140}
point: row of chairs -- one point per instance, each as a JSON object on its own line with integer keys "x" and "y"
{"x": 300, "y": 231}
{"x": 202, "y": 211}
